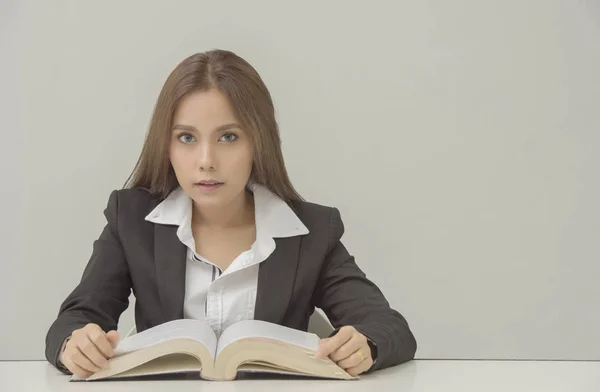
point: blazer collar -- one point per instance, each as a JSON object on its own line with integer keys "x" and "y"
{"x": 279, "y": 232}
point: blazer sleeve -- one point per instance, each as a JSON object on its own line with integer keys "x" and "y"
{"x": 101, "y": 295}
{"x": 348, "y": 298}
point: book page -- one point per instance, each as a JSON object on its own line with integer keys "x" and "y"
{"x": 168, "y": 364}
{"x": 262, "y": 329}
{"x": 184, "y": 328}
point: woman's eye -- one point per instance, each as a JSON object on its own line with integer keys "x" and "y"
{"x": 186, "y": 138}
{"x": 229, "y": 137}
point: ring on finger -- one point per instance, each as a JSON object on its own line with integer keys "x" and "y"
{"x": 361, "y": 355}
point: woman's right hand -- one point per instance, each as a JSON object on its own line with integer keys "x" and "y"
{"x": 88, "y": 350}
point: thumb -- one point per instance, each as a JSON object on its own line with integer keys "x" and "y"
{"x": 113, "y": 338}
{"x": 323, "y": 350}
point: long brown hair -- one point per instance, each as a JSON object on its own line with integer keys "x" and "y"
{"x": 252, "y": 106}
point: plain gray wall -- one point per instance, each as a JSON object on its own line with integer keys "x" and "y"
{"x": 458, "y": 138}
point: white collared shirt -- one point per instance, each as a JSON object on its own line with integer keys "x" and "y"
{"x": 225, "y": 297}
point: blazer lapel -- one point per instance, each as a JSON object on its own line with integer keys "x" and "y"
{"x": 276, "y": 278}
{"x": 170, "y": 258}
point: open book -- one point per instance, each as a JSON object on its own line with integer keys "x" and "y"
{"x": 188, "y": 345}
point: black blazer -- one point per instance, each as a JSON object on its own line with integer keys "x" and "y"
{"x": 304, "y": 272}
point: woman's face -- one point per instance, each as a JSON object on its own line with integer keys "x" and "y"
{"x": 208, "y": 145}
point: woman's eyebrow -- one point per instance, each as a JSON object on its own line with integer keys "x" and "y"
{"x": 225, "y": 127}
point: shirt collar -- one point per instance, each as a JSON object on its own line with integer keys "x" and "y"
{"x": 273, "y": 216}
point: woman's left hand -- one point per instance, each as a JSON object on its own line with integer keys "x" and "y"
{"x": 349, "y": 349}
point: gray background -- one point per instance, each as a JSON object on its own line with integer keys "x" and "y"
{"x": 458, "y": 138}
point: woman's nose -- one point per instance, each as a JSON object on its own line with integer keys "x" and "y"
{"x": 206, "y": 157}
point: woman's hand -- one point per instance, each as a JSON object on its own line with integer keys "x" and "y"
{"x": 88, "y": 350}
{"x": 349, "y": 349}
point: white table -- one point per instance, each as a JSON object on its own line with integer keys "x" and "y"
{"x": 415, "y": 376}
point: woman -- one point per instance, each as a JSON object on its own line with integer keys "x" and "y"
{"x": 210, "y": 227}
